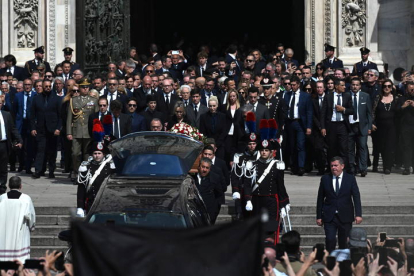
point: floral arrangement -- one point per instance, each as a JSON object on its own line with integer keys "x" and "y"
{"x": 190, "y": 131}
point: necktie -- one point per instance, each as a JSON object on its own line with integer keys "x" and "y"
{"x": 355, "y": 108}
{"x": 117, "y": 135}
{"x": 185, "y": 103}
{"x": 320, "y": 102}
{"x": 331, "y": 61}
{"x": 167, "y": 100}
{"x": 292, "y": 106}
{"x": 254, "y": 108}
{"x": 195, "y": 111}
{"x": 338, "y": 114}
{"x": 337, "y": 185}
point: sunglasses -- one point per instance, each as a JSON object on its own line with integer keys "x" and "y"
{"x": 318, "y": 68}
{"x": 286, "y": 83}
{"x": 387, "y": 86}
{"x": 149, "y": 71}
{"x": 48, "y": 76}
{"x": 75, "y": 91}
{"x": 249, "y": 60}
{"x": 298, "y": 74}
{"x": 102, "y": 105}
{"x": 132, "y": 105}
{"x": 242, "y": 92}
{"x": 111, "y": 84}
{"x": 308, "y": 89}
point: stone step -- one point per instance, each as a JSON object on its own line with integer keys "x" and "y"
{"x": 40, "y": 251}
{"x": 311, "y": 240}
{"x": 391, "y": 230}
{"x": 46, "y": 240}
{"x": 52, "y": 219}
{"x": 368, "y": 219}
{"x": 47, "y": 210}
{"x": 48, "y": 230}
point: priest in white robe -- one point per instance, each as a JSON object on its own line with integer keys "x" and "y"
{"x": 17, "y": 219}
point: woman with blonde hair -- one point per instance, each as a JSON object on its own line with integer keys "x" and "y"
{"x": 234, "y": 119}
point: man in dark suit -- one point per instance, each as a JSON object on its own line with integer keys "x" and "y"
{"x": 208, "y": 184}
{"x": 22, "y": 107}
{"x": 137, "y": 121}
{"x": 261, "y": 111}
{"x": 46, "y": 124}
{"x": 202, "y": 64}
{"x": 166, "y": 67}
{"x": 338, "y": 204}
{"x": 121, "y": 123}
{"x": 103, "y": 110}
{"x": 9, "y": 136}
{"x": 141, "y": 93}
{"x": 165, "y": 99}
{"x": 32, "y": 64}
{"x": 16, "y": 71}
{"x": 364, "y": 64}
{"x": 331, "y": 61}
{"x": 207, "y": 91}
{"x": 112, "y": 94}
{"x": 196, "y": 109}
{"x": 178, "y": 67}
{"x": 151, "y": 112}
{"x": 298, "y": 124}
{"x": 361, "y": 124}
{"x": 336, "y": 108}
{"x": 67, "y": 53}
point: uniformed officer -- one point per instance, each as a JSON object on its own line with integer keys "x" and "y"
{"x": 32, "y": 64}
{"x": 67, "y": 52}
{"x": 266, "y": 189}
{"x": 364, "y": 64}
{"x": 92, "y": 174}
{"x": 331, "y": 61}
{"x": 77, "y": 123}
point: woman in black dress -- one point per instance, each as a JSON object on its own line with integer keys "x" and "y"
{"x": 384, "y": 120}
{"x": 179, "y": 116}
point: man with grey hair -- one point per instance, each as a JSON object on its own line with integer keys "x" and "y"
{"x": 129, "y": 67}
{"x": 372, "y": 87}
{"x": 77, "y": 75}
{"x": 289, "y": 57}
{"x": 185, "y": 94}
{"x": 58, "y": 87}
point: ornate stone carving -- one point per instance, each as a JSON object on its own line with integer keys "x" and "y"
{"x": 354, "y": 20}
{"x": 313, "y": 29}
{"x": 328, "y": 23}
{"x": 26, "y": 22}
{"x": 52, "y": 33}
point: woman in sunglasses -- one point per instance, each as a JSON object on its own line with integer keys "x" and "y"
{"x": 384, "y": 118}
{"x": 320, "y": 68}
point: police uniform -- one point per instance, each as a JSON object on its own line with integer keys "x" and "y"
{"x": 361, "y": 66}
{"x": 77, "y": 124}
{"x": 32, "y": 64}
{"x": 73, "y": 65}
{"x": 91, "y": 176}
{"x": 336, "y": 62}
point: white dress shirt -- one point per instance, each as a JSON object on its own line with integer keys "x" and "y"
{"x": 339, "y": 180}
{"x": 3, "y": 129}
{"x": 335, "y": 101}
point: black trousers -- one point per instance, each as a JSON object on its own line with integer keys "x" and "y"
{"x": 337, "y": 139}
{"x": 407, "y": 138}
{"x": 4, "y": 157}
{"x": 27, "y": 153}
{"x": 333, "y": 227}
{"x": 46, "y": 151}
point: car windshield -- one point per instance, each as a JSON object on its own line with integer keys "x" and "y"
{"x": 155, "y": 154}
{"x": 147, "y": 219}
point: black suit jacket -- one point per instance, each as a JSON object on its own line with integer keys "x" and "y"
{"x": 173, "y": 73}
{"x": 162, "y": 106}
{"x": 18, "y": 72}
{"x": 219, "y": 133}
{"x": 141, "y": 97}
{"x": 124, "y": 124}
{"x": 261, "y": 113}
{"x": 191, "y": 118}
{"x": 221, "y": 167}
{"x": 317, "y": 111}
{"x": 328, "y": 106}
{"x": 45, "y": 113}
{"x": 210, "y": 190}
{"x": 347, "y": 202}
{"x": 13, "y": 135}
{"x": 31, "y": 65}
{"x": 148, "y": 115}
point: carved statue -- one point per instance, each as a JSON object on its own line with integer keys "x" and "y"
{"x": 26, "y": 22}
{"x": 354, "y": 21}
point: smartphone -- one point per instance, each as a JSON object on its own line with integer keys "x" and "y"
{"x": 320, "y": 247}
{"x": 410, "y": 262}
{"x": 280, "y": 251}
{"x": 265, "y": 263}
{"x": 330, "y": 262}
{"x": 356, "y": 256}
{"x": 9, "y": 265}
{"x": 383, "y": 236}
{"x": 392, "y": 243}
{"x": 60, "y": 262}
{"x": 383, "y": 258}
{"x": 175, "y": 52}
{"x": 386, "y": 66}
{"x": 33, "y": 264}
{"x": 345, "y": 268}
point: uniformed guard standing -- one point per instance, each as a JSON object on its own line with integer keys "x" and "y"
{"x": 77, "y": 124}
{"x": 238, "y": 170}
{"x": 364, "y": 64}
{"x": 266, "y": 189}
{"x": 32, "y": 64}
{"x": 331, "y": 61}
{"x": 92, "y": 174}
{"x": 67, "y": 52}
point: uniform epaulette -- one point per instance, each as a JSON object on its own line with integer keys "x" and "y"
{"x": 279, "y": 165}
{"x": 249, "y": 165}
{"x": 84, "y": 166}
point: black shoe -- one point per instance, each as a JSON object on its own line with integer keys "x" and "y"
{"x": 51, "y": 175}
{"x": 363, "y": 174}
{"x": 406, "y": 172}
{"x": 301, "y": 172}
{"x": 35, "y": 175}
{"x": 65, "y": 171}
{"x": 387, "y": 171}
{"x": 12, "y": 168}
{"x": 375, "y": 169}
{"x": 29, "y": 172}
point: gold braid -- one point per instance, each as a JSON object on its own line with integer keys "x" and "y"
{"x": 75, "y": 114}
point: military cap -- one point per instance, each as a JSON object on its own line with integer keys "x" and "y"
{"x": 266, "y": 81}
{"x": 364, "y": 50}
{"x": 98, "y": 146}
{"x": 329, "y": 47}
{"x": 67, "y": 51}
{"x": 40, "y": 49}
{"x": 84, "y": 82}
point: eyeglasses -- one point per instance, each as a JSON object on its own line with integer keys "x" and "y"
{"x": 387, "y": 86}
{"x": 111, "y": 84}
{"x": 286, "y": 83}
{"x": 149, "y": 71}
{"x": 75, "y": 91}
{"x": 308, "y": 89}
{"x": 132, "y": 105}
{"x": 49, "y": 76}
{"x": 249, "y": 60}
{"x": 102, "y": 105}
{"x": 242, "y": 92}
{"x": 48, "y": 86}
{"x": 371, "y": 75}
{"x": 298, "y": 74}
{"x": 319, "y": 68}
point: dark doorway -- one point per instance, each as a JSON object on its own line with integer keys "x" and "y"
{"x": 217, "y": 24}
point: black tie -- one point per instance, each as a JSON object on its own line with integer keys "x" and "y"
{"x": 338, "y": 115}
{"x": 117, "y": 135}
{"x": 195, "y": 111}
{"x": 292, "y": 106}
{"x": 320, "y": 102}
{"x": 337, "y": 185}
{"x": 167, "y": 100}
{"x": 355, "y": 108}
{"x": 185, "y": 103}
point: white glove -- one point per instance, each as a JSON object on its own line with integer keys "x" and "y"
{"x": 283, "y": 212}
{"x": 236, "y": 195}
{"x": 287, "y": 208}
{"x": 80, "y": 213}
{"x": 249, "y": 206}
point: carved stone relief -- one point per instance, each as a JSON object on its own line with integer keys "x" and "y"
{"x": 328, "y": 21}
{"x": 26, "y": 22}
{"x": 354, "y": 18}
